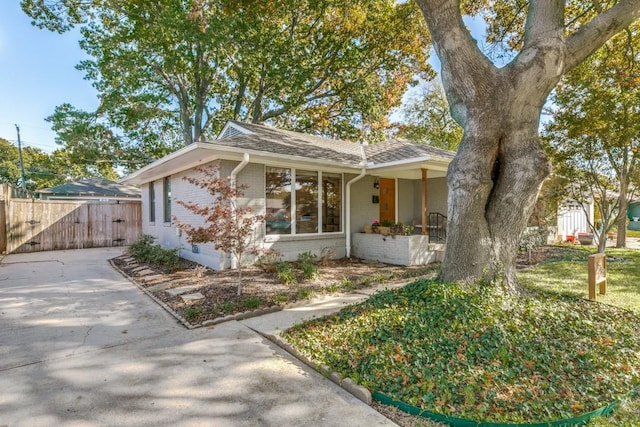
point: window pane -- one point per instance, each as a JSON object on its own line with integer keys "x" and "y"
{"x": 167, "y": 199}
{"x": 331, "y": 202}
{"x": 152, "y": 202}
{"x": 306, "y": 202}
{"x": 278, "y": 198}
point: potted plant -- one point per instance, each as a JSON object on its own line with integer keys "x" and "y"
{"x": 369, "y": 229}
{"x": 585, "y": 238}
{"x": 384, "y": 228}
{"x": 402, "y": 229}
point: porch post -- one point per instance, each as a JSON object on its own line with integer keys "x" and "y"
{"x": 424, "y": 201}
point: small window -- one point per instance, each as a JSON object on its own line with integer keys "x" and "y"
{"x": 167, "y": 199}
{"x": 331, "y": 202}
{"x": 152, "y": 202}
{"x": 306, "y": 202}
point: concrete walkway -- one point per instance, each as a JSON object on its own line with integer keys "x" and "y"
{"x": 82, "y": 346}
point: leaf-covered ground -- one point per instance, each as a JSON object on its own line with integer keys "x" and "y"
{"x": 479, "y": 355}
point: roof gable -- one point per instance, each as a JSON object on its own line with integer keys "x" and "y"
{"x": 283, "y": 142}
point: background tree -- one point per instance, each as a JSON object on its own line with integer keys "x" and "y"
{"x": 184, "y": 67}
{"x": 91, "y": 148}
{"x": 595, "y": 132}
{"x": 426, "y": 119}
{"x": 40, "y": 169}
{"x": 500, "y": 165}
{"x": 229, "y": 226}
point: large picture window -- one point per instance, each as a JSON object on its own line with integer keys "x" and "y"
{"x": 312, "y": 198}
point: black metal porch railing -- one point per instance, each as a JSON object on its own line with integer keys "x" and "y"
{"x": 437, "y": 227}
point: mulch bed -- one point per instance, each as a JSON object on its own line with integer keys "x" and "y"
{"x": 260, "y": 288}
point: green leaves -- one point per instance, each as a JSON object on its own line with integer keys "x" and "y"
{"x": 181, "y": 68}
{"x": 478, "y": 354}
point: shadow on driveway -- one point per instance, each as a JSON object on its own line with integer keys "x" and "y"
{"x": 81, "y": 345}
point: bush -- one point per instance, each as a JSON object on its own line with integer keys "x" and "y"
{"x": 286, "y": 275}
{"x": 251, "y": 302}
{"x": 307, "y": 258}
{"x": 309, "y": 272}
{"x": 192, "y": 313}
{"x": 145, "y": 251}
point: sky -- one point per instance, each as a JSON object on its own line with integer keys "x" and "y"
{"x": 37, "y": 73}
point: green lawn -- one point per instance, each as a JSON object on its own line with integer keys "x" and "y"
{"x": 623, "y": 290}
{"x": 477, "y": 354}
{"x": 570, "y": 277}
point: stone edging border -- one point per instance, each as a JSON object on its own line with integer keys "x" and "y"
{"x": 211, "y": 322}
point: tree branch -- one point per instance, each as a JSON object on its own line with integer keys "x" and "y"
{"x": 458, "y": 53}
{"x": 600, "y": 29}
{"x": 545, "y": 19}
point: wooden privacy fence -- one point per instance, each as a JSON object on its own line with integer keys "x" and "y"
{"x": 44, "y": 225}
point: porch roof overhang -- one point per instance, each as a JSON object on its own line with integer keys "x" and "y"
{"x": 201, "y": 153}
{"x": 411, "y": 168}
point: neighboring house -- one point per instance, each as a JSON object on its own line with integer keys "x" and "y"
{"x": 91, "y": 189}
{"x": 633, "y": 213}
{"x": 316, "y": 194}
{"x": 573, "y": 218}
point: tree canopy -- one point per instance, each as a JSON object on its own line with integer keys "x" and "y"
{"x": 176, "y": 70}
{"x": 426, "y": 119}
{"x": 594, "y": 137}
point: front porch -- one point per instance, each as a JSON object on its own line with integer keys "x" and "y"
{"x": 395, "y": 249}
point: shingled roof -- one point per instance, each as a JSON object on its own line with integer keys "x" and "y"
{"x": 393, "y": 150}
{"x": 264, "y": 144}
{"x": 93, "y": 187}
{"x": 278, "y": 141}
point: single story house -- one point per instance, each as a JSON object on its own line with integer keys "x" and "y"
{"x": 317, "y": 194}
{"x": 91, "y": 190}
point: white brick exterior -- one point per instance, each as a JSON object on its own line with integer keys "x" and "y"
{"x": 397, "y": 250}
{"x": 401, "y": 250}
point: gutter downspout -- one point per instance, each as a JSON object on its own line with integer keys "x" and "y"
{"x": 348, "y": 195}
{"x": 232, "y": 178}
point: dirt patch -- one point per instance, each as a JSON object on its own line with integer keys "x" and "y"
{"x": 549, "y": 253}
{"x": 260, "y": 288}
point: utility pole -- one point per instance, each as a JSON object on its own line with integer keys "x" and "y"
{"x": 22, "y": 179}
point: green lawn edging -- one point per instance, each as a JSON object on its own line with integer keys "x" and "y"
{"x": 461, "y": 422}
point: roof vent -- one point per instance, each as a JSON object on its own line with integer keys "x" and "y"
{"x": 232, "y": 130}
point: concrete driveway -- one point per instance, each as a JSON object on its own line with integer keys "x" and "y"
{"x": 82, "y": 346}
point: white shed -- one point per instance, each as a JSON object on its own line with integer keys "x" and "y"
{"x": 574, "y": 218}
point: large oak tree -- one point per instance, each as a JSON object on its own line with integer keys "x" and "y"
{"x": 500, "y": 165}
{"x": 184, "y": 67}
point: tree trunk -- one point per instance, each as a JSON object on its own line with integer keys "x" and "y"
{"x": 493, "y": 181}
{"x": 497, "y": 173}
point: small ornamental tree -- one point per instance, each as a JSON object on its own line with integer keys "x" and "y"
{"x": 228, "y": 226}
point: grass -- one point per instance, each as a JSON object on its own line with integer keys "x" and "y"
{"x": 570, "y": 277}
{"x": 478, "y": 354}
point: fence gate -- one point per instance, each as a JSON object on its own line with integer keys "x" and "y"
{"x": 44, "y": 225}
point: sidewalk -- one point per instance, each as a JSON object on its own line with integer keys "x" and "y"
{"x": 274, "y": 323}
